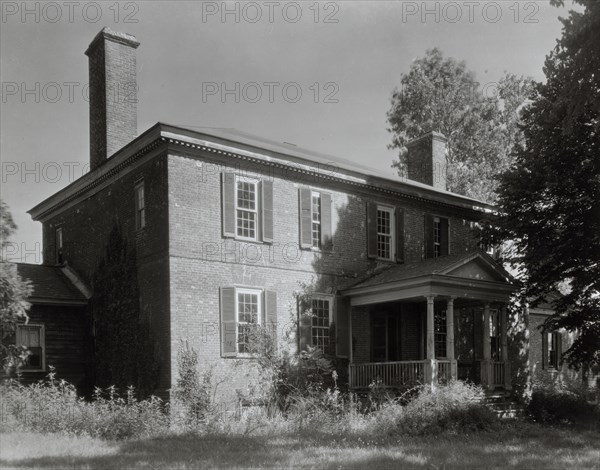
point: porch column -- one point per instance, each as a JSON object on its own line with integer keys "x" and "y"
{"x": 504, "y": 346}
{"x": 486, "y": 365}
{"x": 431, "y": 363}
{"x": 450, "y": 338}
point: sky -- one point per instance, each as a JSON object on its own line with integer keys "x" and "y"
{"x": 318, "y": 75}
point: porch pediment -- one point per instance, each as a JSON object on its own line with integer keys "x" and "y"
{"x": 472, "y": 276}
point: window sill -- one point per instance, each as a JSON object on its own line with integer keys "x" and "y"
{"x": 25, "y": 371}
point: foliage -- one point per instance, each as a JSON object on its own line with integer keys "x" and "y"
{"x": 549, "y": 406}
{"x": 191, "y": 393}
{"x": 455, "y": 407}
{"x": 126, "y": 351}
{"x": 53, "y": 406}
{"x": 13, "y": 298}
{"x": 443, "y": 95}
{"x": 548, "y": 200}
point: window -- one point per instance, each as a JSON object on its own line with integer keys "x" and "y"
{"x": 316, "y": 218}
{"x": 439, "y": 322}
{"x": 385, "y": 235}
{"x": 436, "y": 236}
{"x": 32, "y": 337}
{"x": 553, "y": 348}
{"x": 248, "y": 318}
{"x": 321, "y": 320}
{"x": 59, "y": 246}
{"x": 140, "y": 207}
{"x": 246, "y": 205}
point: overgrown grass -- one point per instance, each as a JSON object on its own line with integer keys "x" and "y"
{"x": 514, "y": 445}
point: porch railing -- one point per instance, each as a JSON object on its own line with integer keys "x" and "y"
{"x": 444, "y": 372}
{"x": 390, "y": 374}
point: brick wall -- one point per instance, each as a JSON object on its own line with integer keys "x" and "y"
{"x": 202, "y": 261}
{"x": 86, "y": 225}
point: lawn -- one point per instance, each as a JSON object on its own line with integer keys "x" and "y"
{"x": 514, "y": 446}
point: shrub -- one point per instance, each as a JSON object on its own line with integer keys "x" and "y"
{"x": 53, "y": 406}
{"x": 455, "y": 407}
{"x": 562, "y": 407}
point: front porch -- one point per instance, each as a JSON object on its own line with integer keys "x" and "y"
{"x": 408, "y": 328}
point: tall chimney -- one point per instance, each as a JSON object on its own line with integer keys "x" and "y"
{"x": 426, "y": 159}
{"x": 113, "y": 94}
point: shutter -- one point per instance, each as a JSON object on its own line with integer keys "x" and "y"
{"x": 559, "y": 338}
{"x": 304, "y": 328}
{"x": 267, "y": 211}
{"x": 342, "y": 324}
{"x": 544, "y": 350}
{"x": 326, "y": 235}
{"x": 271, "y": 314}
{"x": 305, "y": 218}
{"x": 228, "y": 322}
{"x": 228, "y": 196}
{"x": 399, "y": 235}
{"x": 444, "y": 237}
{"x": 371, "y": 230}
{"x": 428, "y": 236}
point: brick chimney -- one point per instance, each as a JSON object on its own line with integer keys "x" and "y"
{"x": 113, "y": 94}
{"x": 426, "y": 159}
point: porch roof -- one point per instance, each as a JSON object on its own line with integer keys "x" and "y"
{"x": 471, "y": 276}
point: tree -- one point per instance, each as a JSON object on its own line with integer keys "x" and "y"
{"x": 125, "y": 349}
{"x": 442, "y": 94}
{"x": 13, "y": 298}
{"x": 549, "y": 200}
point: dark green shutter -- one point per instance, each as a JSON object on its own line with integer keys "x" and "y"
{"x": 371, "y": 230}
{"x": 304, "y": 327}
{"x": 228, "y": 322}
{"x": 228, "y": 197}
{"x": 544, "y": 350}
{"x": 271, "y": 313}
{"x": 305, "y": 218}
{"x": 267, "y": 211}
{"x": 326, "y": 238}
{"x": 342, "y": 323}
{"x": 428, "y": 236}
{"x": 444, "y": 237}
{"x": 399, "y": 235}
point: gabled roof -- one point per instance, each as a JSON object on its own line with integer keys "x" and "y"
{"x": 52, "y": 285}
{"x": 473, "y": 275}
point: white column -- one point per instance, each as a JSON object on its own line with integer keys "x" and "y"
{"x": 431, "y": 363}
{"x": 450, "y": 338}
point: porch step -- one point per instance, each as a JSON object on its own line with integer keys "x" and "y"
{"x": 501, "y": 403}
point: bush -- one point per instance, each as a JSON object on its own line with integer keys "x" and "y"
{"x": 455, "y": 407}
{"x": 562, "y": 407}
{"x": 53, "y": 406}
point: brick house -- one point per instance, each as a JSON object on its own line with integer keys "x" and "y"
{"x": 230, "y": 230}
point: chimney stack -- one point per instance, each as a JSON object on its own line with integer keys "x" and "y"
{"x": 426, "y": 159}
{"x": 112, "y": 93}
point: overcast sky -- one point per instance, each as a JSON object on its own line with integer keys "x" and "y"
{"x": 353, "y": 53}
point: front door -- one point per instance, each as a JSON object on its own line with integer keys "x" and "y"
{"x": 385, "y": 334}
{"x": 469, "y": 344}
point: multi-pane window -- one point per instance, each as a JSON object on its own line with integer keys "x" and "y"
{"x": 140, "y": 207}
{"x": 246, "y": 203}
{"x": 321, "y": 310}
{"x": 437, "y": 237}
{"x": 385, "y": 233}
{"x": 59, "y": 245}
{"x": 32, "y": 337}
{"x": 439, "y": 322}
{"x": 316, "y": 219}
{"x": 248, "y": 318}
